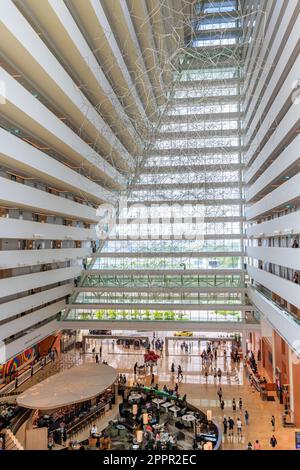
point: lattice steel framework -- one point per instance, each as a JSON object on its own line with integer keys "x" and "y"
{"x": 173, "y": 248}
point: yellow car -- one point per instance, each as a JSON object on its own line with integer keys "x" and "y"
{"x": 183, "y": 333}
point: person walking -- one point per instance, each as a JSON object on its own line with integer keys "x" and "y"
{"x": 240, "y": 404}
{"x": 222, "y": 405}
{"x": 135, "y": 368}
{"x": 100, "y": 351}
{"x": 246, "y": 418}
{"x": 220, "y": 393}
{"x": 233, "y": 405}
{"x": 152, "y": 379}
{"x": 273, "y": 423}
{"x": 231, "y": 426}
{"x": 219, "y": 374}
{"x": 239, "y": 427}
{"x": 273, "y": 442}
{"x": 179, "y": 373}
{"x": 97, "y": 359}
{"x": 225, "y": 426}
{"x": 173, "y": 367}
{"x": 257, "y": 445}
{"x": 249, "y": 447}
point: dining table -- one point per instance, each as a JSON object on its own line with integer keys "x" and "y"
{"x": 158, "y": 401}
{"x": 166, "y": 405}
{"x": 134, "y": 397}
{"x": 174, "y": 410}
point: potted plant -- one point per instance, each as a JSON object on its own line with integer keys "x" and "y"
{"x": 85, "y": 316}
{"x": 124, "y": 314}
{"x": 100, "y": 315}
{"x": 158, "y": 315}
{"x": 169, "y": 316}
{"x": 112, "y": 314}
{"x": 147, "y": 315}
{"x": 135, "y": 314}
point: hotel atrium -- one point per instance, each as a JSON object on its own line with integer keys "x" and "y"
{"x": 149, "y": 224}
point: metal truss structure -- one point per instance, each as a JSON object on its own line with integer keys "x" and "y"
{"x": 173, "y": 247}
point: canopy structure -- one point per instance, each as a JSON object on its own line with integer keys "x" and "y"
{"x": 71, "y": 386}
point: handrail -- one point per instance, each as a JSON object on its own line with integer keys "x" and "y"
{"x": 11, "y": 442}
{"x": 14, "y": 384}
{"x": 72, "y": 429}
{"x": 19, "y": 419}
{"x": 287, "y": 313}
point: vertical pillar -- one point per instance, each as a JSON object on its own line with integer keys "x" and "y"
{"x": 244, "y": 343}
{"x": 115, "y": 391}
{"x": 291, "y": 384}
{"x": 274, "y": 355}
{"x": 167, "y": 346}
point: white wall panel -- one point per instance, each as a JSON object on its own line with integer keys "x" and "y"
{"x": 15, "y": 326}
{"x": 29, "y": 340}
{"x": 20, "y": 258}
{"x": 284, "y": 225}
{"x": 288, "y": 257}
{"x": 282, "y": 322}
{"x": 15, "y": 153}
{"x": 15, "y": 307}
{"x": 286, "y": 193}
{"x": 285, "y": 289}
{"x": 23, "y": 229}
{"x": 27, "y": 111}
{"x": 15, "y": 194}
{"x": 17, "y": 284}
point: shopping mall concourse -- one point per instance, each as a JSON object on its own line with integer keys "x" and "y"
{"x": 149, "y": 226}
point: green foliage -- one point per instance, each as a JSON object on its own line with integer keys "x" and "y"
{"x": 112, "y": 314}
{"x": 147, "y": 315}
{"x": 158, "y": 315}
{"x": 85, "y": 316}
{"x": 135, "y": 315}
{"x": 100, "y": 314}
{"x": 226, "y": 312}
{"x": 169, "y": 316}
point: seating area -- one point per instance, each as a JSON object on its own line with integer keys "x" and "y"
{"x": 151, "y": 419}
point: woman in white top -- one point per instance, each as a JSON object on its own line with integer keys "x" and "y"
{"x": 94, "y": 430}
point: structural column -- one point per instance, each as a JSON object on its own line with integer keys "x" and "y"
{"x": 244, "y": 343}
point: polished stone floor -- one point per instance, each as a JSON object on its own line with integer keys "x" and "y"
{"x": 203, "y": 394}
{"x": 200, "y": 392}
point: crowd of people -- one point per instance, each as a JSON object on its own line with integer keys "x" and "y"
{"x": 215, "y": 351}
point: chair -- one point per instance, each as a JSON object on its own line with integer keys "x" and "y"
{"x": 179, "y": 425}
{"x": 180, "y": 436}
{"x": 123, "y": 433}
{"x": 114, "y": 432}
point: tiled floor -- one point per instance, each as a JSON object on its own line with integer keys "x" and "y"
{"x": 203, "y": 394}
